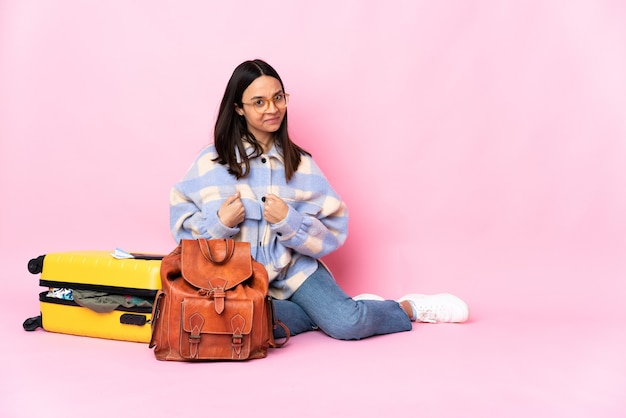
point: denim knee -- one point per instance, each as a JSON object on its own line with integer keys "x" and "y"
{"x": 363, "y": 320}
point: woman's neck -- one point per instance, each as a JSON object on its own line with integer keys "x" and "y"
{"x": 266, "y": 143}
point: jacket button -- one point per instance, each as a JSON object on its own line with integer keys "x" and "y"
{"x": 263, "y": 160}
{"x": 280, "y": 234}
{"x": 263, "y": 199}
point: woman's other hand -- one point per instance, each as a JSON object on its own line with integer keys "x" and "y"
{"x": 232, "y": 212}
{"x": 275, "y": 209}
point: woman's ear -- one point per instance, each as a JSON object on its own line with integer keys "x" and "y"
{"x": 238, "y": 110}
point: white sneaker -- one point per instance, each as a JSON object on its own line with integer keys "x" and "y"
{"x": 442, "y": 307}
{"x": 368, "y": 296}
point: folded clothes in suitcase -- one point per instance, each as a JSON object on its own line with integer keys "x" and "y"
{"x": 94, "y": 294}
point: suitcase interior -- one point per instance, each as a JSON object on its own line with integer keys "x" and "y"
{"x": 67, "y": 317}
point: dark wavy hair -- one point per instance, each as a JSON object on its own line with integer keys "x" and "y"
{"x": 231, "y": 128}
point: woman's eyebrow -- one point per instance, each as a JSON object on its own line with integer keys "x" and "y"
{"x": 263, "y": 97}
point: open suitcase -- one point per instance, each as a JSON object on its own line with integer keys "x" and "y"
{"x": 84, "y": 289}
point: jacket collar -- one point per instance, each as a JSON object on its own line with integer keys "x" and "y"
{"x": 272, "y": 153}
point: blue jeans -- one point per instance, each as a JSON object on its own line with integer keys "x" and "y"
{"x": 321, "y": 304}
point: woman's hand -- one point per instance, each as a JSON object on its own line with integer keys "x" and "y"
{"x": 232, "y": 212}
{"x": 275, "y": 209}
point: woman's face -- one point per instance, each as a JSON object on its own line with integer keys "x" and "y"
{"x": 263, "y": 122}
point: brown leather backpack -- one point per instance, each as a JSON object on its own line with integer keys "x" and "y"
{"x": 213, "y": 304}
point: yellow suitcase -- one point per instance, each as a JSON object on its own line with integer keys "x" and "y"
{"x": 85, "y": 272}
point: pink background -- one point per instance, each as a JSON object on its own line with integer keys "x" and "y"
{"x": 479, "y": 145}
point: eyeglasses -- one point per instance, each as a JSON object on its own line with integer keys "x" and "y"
{"x": 262, "y": 104}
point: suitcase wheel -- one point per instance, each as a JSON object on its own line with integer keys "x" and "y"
{"x": 32, "y": 324}
{"x": 35, "y": 265}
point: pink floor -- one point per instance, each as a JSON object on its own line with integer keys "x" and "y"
{"x": 533, "y": 359}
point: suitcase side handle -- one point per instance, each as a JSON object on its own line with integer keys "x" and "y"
{"x": 133, "y": 319}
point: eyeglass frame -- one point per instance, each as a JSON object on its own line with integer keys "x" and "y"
{"x": 268, "y": 100}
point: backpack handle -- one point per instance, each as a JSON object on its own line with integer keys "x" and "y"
{"x": 205, "y": 248}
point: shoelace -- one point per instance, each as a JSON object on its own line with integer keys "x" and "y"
{"x": 431, "y": 314}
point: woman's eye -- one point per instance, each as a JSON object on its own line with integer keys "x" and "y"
{"x": 259, "y": 102}
{"x": 279, "y": 97}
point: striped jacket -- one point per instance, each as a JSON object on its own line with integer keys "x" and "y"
{"x": 316, "y": 224}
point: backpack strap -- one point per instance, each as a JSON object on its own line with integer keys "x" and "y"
{"x": 276, "y": 322}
